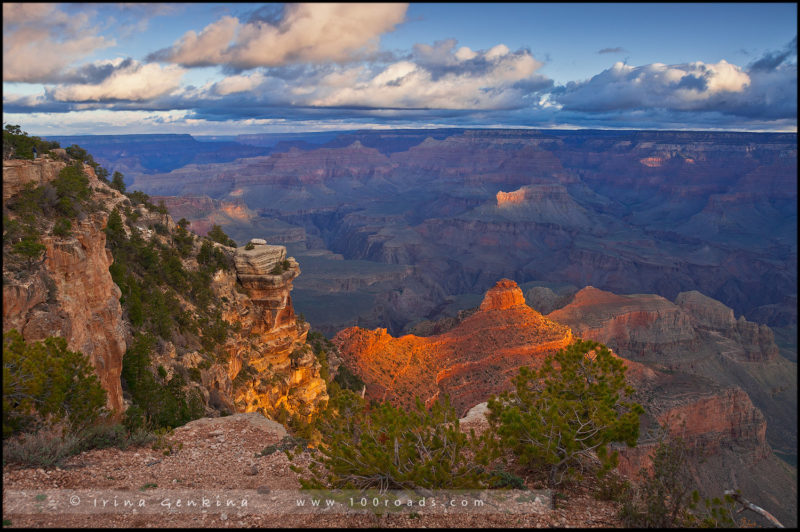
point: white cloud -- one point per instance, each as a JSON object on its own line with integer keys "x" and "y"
{"x": 39, "y": 40}
{"x": 438, "y": 78}
{"x": 465, "y": 54}
{"x": 692, "y": 86}
{"x": 238, "y": 83}
{"x": 307, "y": 33}
{"x": 131, "y": 81}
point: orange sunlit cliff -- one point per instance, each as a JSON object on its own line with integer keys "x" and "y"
{"x": 478, "y": 357}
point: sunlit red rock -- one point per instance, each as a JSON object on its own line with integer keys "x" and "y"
{"x": 476, "y": 358}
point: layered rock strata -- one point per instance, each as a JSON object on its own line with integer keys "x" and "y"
{"x": 696, "y": 335}
{"x": 18, "y": 172}
{"x": 69, "y": 293}
{"x": 476, "y": 358}
{"x": 270, "y": 365}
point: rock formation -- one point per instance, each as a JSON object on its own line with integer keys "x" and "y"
{"x": 476, "y": 358}
{"x": 696, "y": 335}
{"x": 724, "y": 429}
{"x": 18, "y": 172}
{"x": 629, "y": 212}
{"x": 270, "y": 364}
{"x": 69, "y": 293}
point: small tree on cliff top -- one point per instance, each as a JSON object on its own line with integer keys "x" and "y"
{"x": 571, "y": 408}
{"x": 218, "y": 235}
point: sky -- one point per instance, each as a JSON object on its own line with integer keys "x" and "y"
{"x": 226, "y": 69}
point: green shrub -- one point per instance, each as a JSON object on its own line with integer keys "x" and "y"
{"x": 612, "y": 487}
{"x": 62, "y": 227}
{"x": 46, "y": 381}
{"x": 504, "y": 479}
{"x": 388, "y": 447}
{"x": 183, "y": 241}
{"x": 666, "y": 498}
{"x": 556, "y": 416}
{"x": 44, "y": 448}
{"x": 29, "y": 247}
{"x": 249, "y": 246}
{"x": 103, "y": 435}
{"x": 138, "y": 197}
{"x": 218, "y": 235}
{"x": 162, "y": 404}
{"x": 18, "y": 145}
{"x": 118, "y": 181}
{"x": 348, "y": 380}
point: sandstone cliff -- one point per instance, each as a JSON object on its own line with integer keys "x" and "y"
{"x": 474, "y": 359}
{"x": 70, "y": 292}
{"x": 18, "y": 172}
{"x": 696, "y": 335}
{"x": 270, "y": 366}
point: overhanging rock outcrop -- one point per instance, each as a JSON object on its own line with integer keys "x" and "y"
{"x": 271, "y": 366}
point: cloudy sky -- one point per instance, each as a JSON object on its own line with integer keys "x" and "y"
{"x": 244, "y": 68}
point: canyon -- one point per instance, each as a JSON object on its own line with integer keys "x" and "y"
{"x": 675, "y": 249}
{"x": 476, "y": 358}
{"x": 70, "y": 293}
{"x": 720, "y": 410}
{"x": 626, "y": 211}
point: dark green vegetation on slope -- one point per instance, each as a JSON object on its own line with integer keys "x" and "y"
{"x": 574, "y": 413}
{"x": 165, "y": 282}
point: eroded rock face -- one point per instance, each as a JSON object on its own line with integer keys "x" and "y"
{"x": 756, "y": 340}
{"x": 270, "y": 366}
{"x": 725, "y": 391}
{"x": 474, "y": 359}
{"x": 69, "y": 293}
{"x": 725, "y": 434}
{"x": 699, "y": 336}
{"x": 504, "y": 295}
{"x": 630, "y": 324}
{"x": 17, "y": 173}
{"x": 88, "y": 296}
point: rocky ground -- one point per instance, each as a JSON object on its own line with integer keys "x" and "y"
{"x": 218, "y": 458}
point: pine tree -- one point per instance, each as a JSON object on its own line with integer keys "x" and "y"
{"x": 570, "y": 409}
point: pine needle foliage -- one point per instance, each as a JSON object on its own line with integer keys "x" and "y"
{"x": 385, "y": 447}
{"x": 46, "y": 382}
{"x": 572, "y": 408}
{"x": 666, "y": 499}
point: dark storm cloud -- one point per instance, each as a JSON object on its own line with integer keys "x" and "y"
{"x": 758, "y": 94}
{"x": 690, "y": 81}
{"x": 617, "y": 50}
{"x": 94, "y": 72}
{"x": 772, "y": 60}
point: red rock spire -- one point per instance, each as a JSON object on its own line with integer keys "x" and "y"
{"x": 505, "y": 294}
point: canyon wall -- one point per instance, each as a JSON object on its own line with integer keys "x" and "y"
{"x": 69, "y": 293}
{"x": 696, "y": 335}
